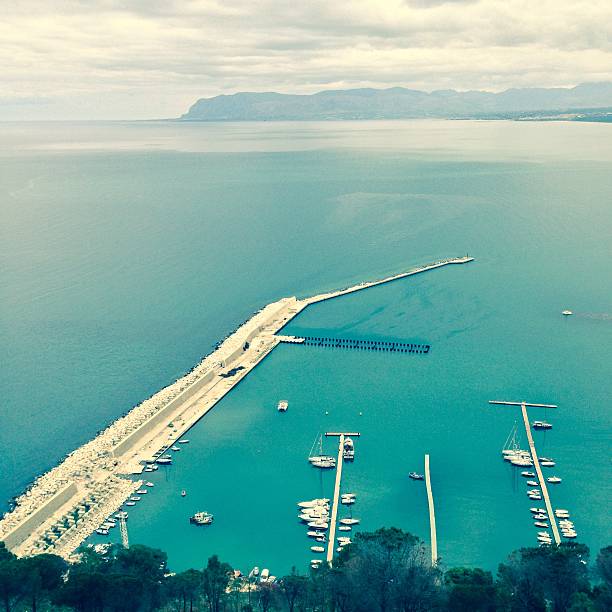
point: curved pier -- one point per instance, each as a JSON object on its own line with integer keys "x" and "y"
{"x": 65, "y": 505}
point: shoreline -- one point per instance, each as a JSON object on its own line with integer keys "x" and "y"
{"x": 63, "y": 506}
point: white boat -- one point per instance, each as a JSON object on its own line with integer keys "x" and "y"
{"x": 347, "y": 501}
{"x": 317, "y": 549}
{"x": 540, "y": 517}
{"x": 149, "y": 484}
{"x": 320, "y": 460}
{"x": 101, "y": 531}
{"x": 254, "y": 572}
{"x": 282, "y": 406}
{"x": 554, "y": 480}
{"x": 135, "y": 498}
{"x": 313, "y": 503}
{"x": 265, "y": 573}
{"x": 183, "y": 441}
{"x": 344, "y": 528}
{"x": 537, "y": 510}
{"x": 349, "y": 521}
{"x": 547, "y": 463}
{"x": 528, "y": 474}
{"x": 570, "y": 534}
{"x": 314, "y": 534}
{"x": 201, "y": 518}
{"x": 142, "y": 492}
{"x": 533, "y": 483}
{"x": 164, "y": 461}
{"x": 175, "y": 448}
{"x": 567, "y": 313}
{"x": 541, "y": 524}
{"x": 130, "y": 503}
{"x": 318, "y": 525}
{"x": 541, "y": 425}
{"x": 348, "y": 449}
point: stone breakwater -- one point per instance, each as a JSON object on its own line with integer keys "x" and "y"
{"x": 66, "y": 504}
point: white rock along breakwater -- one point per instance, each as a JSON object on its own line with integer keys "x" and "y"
{"x": 66, "y": 504}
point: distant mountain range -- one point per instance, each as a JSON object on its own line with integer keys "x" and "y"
{"x": 401, "y": 103}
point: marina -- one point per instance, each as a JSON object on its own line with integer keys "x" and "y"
{"x": 129, "y": 444}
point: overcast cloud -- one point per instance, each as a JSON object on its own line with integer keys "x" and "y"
{"x": 153, "y": 58}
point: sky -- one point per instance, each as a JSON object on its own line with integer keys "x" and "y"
{"x": 137, "y": 59}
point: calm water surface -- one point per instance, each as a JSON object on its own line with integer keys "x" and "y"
{"x": 128, "y": 250}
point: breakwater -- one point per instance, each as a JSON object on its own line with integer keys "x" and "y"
{"x": 65, "y": 505}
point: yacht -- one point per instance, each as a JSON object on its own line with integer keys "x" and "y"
{"x": 349, "y": 521}
{"x": 533, "y": 483}
{"x": 320, "y": 460}
{"x": 540, "y": 517}
{"x": 554, "y": 480}
{"x": 201, "y": 518}
{"x": 541, "y": 425}
{"x": 313, "y": 503}
{"x": 142, "y": 492}
{"x": 130, "y": 503}
{"x": 348, "y": 449}
{"x": 314, "y": 534}
{"x": 528, "y": 474}
{"x": 347, "y": 501}
{"x": 101, "y": 531}
{"x": 344, "y": 528}
{"x": 282, "y": 406}
{"x": 317, "y": 549}
{"x": 265, "y": 574}
{"x": 416, "y": 476}
{"x": 547, "y": 463}
{"x": 164, "y": 461}
{"x": 541, "y": 524}
{"x": 318, "y": 525}
{"x": 537, "y": 510}
{"x": 135, "y": 498}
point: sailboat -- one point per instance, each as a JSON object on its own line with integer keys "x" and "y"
{"x": 321, "y": 461}
{"x": 513, "y": 453}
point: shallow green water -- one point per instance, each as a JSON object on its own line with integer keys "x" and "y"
{"x": 123, "y": 263}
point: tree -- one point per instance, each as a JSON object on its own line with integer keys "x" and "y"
{"x": 11, "y": 579}
{"x": 294, "y": 588}
{"x": 42, "y": 575}
{"x": 215, "y": 578}
{"x": 470, "y": 590}
{"x": 185, "y": 588}
{"x": 84, "y": 591}
{"x": 124, "y": 593}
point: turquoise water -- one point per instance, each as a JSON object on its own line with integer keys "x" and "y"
{"x": 127, "y": 250}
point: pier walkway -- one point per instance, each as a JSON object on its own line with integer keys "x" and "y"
{"x": 432, "y": 515}
{"x": 334, "y": 515}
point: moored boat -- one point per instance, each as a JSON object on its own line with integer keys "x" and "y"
{"x": 541, "y": 425}
{"x": 282, "y": 406}
{"x": 201, "y": 518}
{"x": 415, "y": 476}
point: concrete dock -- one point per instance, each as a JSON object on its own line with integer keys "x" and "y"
{"x": 66, "y": 504}
{"x": 432, "y": 515}
{"x": 334, "y": 515}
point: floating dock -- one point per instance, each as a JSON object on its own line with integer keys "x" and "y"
{"x": 432, "y": 515}
{"x": 359, "y": 344}
{"x": 91, "y": 482}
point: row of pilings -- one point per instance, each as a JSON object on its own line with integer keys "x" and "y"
{"x": 366, "y": 345}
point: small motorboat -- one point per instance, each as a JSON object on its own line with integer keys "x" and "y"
{"x": 528, "y": 474}
{"x": 569, "y": 534}
{"x": 415, "y": 476}
{"x": 102, "y": 531}
{"x": 265, "y": 574}
{"x": 540, "y": 517}
{"x": 314, "y": 534}
{"x": 164, "y": 461}
{"x": 553, "y": 480}
{"x": 183, "y": 441}
{"x": 347, "y": 501}
{"x": 175, "y": 448}
{"x": 142, "y": 492}
{"x": 537, "y": 510}
{"x": 567, "y": 313}
{"x": 547, "y": 463}
{"x": 541, "y": 524}
{"x": 533, "y": 483}
{"x": 318, "y": 525}
{"x": 541, "y": 425}
{"x": 130, "y": 503}
{"x": 317, "y": 549}
{"x": 344, "y": 528}
{"x": 349, "y": 521}
{"x": 135, "y": 498}
{"x": 183, "y": 493}
{"x": 348, "y": 450}
{"x": 282, "y": 406}
{"x": 149, "y": 484}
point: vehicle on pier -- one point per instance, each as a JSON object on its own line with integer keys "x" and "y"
{"x": 201, "y": 518}
{"x": 416, "y": 476}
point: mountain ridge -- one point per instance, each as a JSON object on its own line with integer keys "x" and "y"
{"x": 396, "y": 103}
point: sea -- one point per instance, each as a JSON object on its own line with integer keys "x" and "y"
{"x": 128, "y": 249}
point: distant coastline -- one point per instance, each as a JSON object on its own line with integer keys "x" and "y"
{"x": 586, "y": 102}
